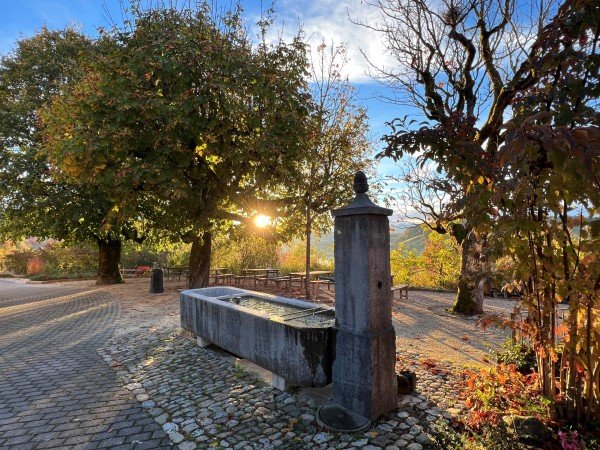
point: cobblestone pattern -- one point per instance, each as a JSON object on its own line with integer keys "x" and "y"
{"x": 203, "y": 400}
{"x": 55, "y": 390}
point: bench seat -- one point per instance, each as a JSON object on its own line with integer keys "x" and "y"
{"x": 401, "y": 289}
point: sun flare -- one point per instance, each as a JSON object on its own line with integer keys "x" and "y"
{"x": 262, "y": 221}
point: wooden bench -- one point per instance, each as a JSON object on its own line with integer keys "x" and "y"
{"x": 241, "y": 279}
{"x": 224, "y": 277}
{"x": 318, "y": 283}
{"x": 128, "y": 272}
{"x": 286, "y": 281}
{"x": 402, "y": 290}
{"x": 172, "y": 272}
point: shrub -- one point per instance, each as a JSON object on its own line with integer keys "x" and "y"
{"x": 141, "y": 271}
{"x": 35, "y": 265}
{"x": 487, "y": 438}
{"x": 292, "y": 258}
{"x": 50, "y": 259}
{"x": 493, "y": 393}
{"x": 16, "y": 261}
{"x": 69, "y": 261}
{"x": 519, "y": 354}
{"x": 238, "y": 251}
{"x": 145, "y": 254}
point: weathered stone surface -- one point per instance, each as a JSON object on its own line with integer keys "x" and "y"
{"x": 364, "y": 330}
{"x": 299, "y": 354}
{"x": 414, "y": 446}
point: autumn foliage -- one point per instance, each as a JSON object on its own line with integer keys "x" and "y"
{"x": 493, "y": 393}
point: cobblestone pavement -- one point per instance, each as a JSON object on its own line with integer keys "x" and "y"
{"x": 55, "y": 390}
{"x": 156, "y": 388}
{"x": 203, "y": 399}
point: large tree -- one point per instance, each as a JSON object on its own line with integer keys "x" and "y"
{"x": 461, "y": 64}
{"x": 181, "y": 106}
{"x": 34, "y": 202}
{"x": 336, "y": 147}
{"x": 547, "y": 197}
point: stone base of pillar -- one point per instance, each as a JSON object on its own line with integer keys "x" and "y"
{"x": 203, "y": 342}
{"x": 364, "y": 375}
{"x": 279, "y": 382}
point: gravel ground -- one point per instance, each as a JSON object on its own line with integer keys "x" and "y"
{"x": 425, "y": 328}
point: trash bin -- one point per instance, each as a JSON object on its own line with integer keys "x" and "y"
{"x": 156, "y": 282}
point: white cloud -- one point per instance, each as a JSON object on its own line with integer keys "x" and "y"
{"x": 329, "y": 20}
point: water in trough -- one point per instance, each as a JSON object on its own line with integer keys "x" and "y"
{"x": 283, "y": 312}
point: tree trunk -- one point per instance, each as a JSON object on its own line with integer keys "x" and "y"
{"x": 199, "y": 267}
{"x": 109, "y": 255}
{"x": 307, "y": 262}
{"x": 469, "y": 299}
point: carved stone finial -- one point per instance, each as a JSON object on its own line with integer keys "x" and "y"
{"x": 361, "y": 184}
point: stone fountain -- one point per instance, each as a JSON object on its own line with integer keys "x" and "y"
{"x": 364, "y": 377}
{"x": 306, "y": 345}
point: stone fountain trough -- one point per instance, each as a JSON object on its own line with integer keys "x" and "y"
{"x": 291, "y": 338}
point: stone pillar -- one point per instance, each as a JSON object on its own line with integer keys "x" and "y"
{"x": 364, "y": 376}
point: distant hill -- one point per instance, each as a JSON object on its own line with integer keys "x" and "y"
{"x": 411, "y": 235}
{"x": 413, "y": 238}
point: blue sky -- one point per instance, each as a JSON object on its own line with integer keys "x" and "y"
{"x": 320, "y": 19}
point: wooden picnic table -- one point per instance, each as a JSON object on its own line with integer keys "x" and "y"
{"x": 301, "y": 276}
{"x": 312, "y": 272}
{"x": 267, "y": 271}
{"x": 259, "y": 274}
{"x": 220, "y": 270}
{"x": 176, "y": 272}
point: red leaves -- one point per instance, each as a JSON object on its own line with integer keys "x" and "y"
{"x": 561, "y": 330}
{"x": 433, "y": 367}
{"x": 491, "y": 393}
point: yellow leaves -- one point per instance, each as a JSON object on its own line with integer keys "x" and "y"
{"x": 501, "y": 377}
{"x": 200, "y": 149}
{"x": 70, "y": 167}
{"x": 213, "y": 160}
{"x": 589, "y": 258}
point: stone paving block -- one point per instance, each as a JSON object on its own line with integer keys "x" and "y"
{"x": 53, "y": 443}
{"x": 55, "y": 390}
{"x": 104, "y": 443}
{"x": 129, "y": 431}
{"x": 17, "y": 440}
